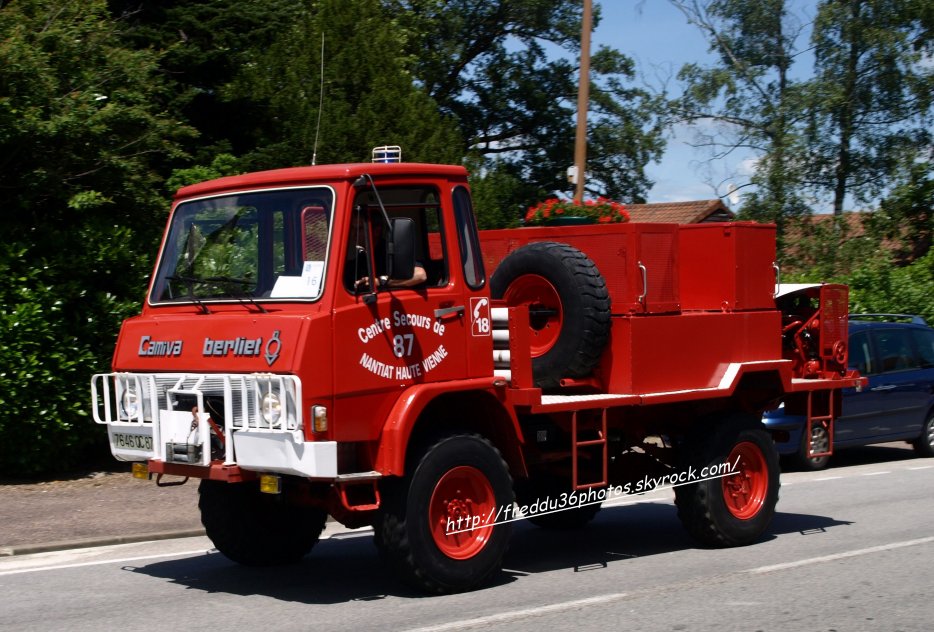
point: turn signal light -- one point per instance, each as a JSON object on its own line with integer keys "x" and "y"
{"x": 319, "y": 418}
{"x": 270, "y": 484}
{"x": 141, "y": 471}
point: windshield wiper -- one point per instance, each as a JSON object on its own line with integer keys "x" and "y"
{"x": 191, "y": 281}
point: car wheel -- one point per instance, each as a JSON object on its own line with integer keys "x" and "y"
{"x": 819, "y": 441}
{"x": 924, "y": 445}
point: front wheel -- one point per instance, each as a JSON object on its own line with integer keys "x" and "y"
{"x": 734, "y": 503}
{"x": 257, "y": 529}
{"x": 438, "y": 525}
{"x": 924, "y": 445}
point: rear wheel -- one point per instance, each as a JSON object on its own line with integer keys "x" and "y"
{"x": 257, "y": 529}
{"x": 437, "y": 527}
{"x": 735, "y": 503}
{"x": 924, "y": 445}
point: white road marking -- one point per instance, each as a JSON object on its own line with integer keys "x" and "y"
{"x": 55, "y": 567}
{"x": 839, "y": 556}
{"x": 513, "y": 615}
{"x": 922, "y": 467}
{"x": 90, "y": 556}
{"x": 875, "y": 473}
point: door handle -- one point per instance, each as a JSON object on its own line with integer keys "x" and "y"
{"x": 444, "y": 312}
{"x": 645, "y": 282}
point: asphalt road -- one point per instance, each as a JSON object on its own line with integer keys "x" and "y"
{"x": 849, "y": 550}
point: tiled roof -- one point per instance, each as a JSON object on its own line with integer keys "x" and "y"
{"x": 803, "y": 227}
{"x": 693, "y": 212}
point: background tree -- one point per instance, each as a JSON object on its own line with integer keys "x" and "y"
{"x": 485, "y": 63}
{"x": 748, "y": 100}
{"x": 83, "y": 138}
{"x": 204, "y": 46}
{"x": 907, "y": 213}
{"x": 871, "y": 96}
{"x": 369, "y": 97}
{"x": 248, "y": 74}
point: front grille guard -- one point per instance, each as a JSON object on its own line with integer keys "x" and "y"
{"x": 242, "y": 396}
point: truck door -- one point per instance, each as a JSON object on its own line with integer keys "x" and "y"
{"x": 390, "y": 335}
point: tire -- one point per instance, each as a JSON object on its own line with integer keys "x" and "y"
{"x": 570, "y": 305}
{"x": 821, "y": 440}
{"x": 734, "y": 510}
{"x": 459, "y": 477}
{"x": 563, "y": 520}
{"x": 924, "y": 444}
{"x": 257, "y": 529}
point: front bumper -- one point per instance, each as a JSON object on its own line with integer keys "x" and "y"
{"x": 199, "y": 418}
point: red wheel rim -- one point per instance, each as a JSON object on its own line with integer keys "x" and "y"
{"x": 461, "y": 504}
{"x": 541, "y": 296}
{"x": 745, "y": 488}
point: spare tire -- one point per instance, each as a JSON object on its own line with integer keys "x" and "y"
{"x": 569, "y": 307}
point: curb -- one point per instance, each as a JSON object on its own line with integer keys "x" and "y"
{"x": 83, "y": 543}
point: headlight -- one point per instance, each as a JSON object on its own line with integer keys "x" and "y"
{"x": 130, "y": 402}
{"x": 272, "y": 408}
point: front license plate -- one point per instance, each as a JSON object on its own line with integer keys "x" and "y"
{"x": 132, "y": 441}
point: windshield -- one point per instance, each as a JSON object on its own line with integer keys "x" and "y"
{"x": 248, "y": 246}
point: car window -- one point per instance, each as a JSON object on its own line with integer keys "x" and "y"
{"x": 925, "y": 344}
{"x": 861, "y": 354}
{"x": 895, "y": 349}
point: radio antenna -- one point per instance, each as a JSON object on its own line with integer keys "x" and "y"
{"x": 314, "y": 151}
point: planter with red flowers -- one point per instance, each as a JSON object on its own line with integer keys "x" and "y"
{"x": 558, "y": 212}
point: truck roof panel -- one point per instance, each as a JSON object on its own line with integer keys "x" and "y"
{"x": 294, "y": 176}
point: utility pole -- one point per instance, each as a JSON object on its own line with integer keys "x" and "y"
{"x": 583, "y": 100}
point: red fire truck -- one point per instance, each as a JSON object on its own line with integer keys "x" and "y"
{"x": 341, "y": 340}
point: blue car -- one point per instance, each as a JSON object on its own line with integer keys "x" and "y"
{"x": 896, "y": 353}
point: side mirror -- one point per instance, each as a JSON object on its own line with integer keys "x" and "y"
{"x": 402, "y": 248}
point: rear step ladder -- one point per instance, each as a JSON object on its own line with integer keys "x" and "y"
{"x": 577, "y": 444}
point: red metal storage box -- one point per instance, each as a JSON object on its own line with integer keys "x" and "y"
{"x": 727, "y": 267}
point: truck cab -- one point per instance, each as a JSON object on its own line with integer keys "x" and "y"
{"x": 279, "y": 322}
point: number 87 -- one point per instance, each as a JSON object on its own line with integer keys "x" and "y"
{"x": 402, "y": 345}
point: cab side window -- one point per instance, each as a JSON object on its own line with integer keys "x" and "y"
{"x": 367, "y": 241}
{"x": 467, "y": 239}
